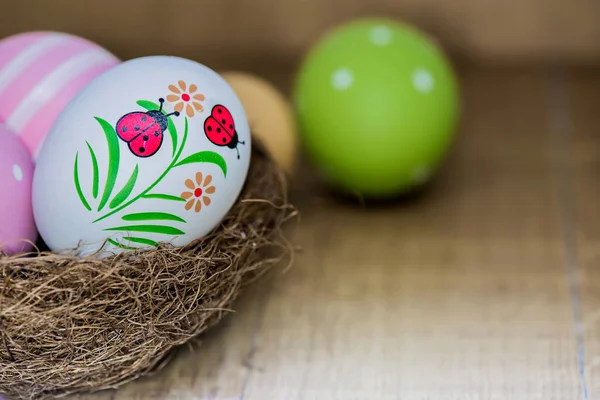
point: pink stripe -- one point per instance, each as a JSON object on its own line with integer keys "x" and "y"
{"x": 11, "y": 46}
{"x": 35, "y": 73}
{"x": 35, "y": 131}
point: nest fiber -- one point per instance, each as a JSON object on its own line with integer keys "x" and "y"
{"x": 70, "y": 324}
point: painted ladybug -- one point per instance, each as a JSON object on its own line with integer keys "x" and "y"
{"x": 143, "y": 131}
{"x": 220, "y": 128}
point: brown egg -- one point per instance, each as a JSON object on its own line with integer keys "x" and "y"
{"x": 270, "y": 116}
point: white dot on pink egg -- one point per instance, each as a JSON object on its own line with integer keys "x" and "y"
{"x": 17, "y": 228}
{"x": 18, "y": 173}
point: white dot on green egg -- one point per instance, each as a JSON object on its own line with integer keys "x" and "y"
{"x": 421, "y": 174}
{"x": 342, "y": 79}
{"x": 422, "y": 80}
{"x": 17, "y": 172}
{"x": 380, "y": 35}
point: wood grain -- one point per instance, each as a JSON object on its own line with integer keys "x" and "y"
{"x": 469, "y": 291}
{"x": 579, "y": 123}
{"x": 250, "y": 34}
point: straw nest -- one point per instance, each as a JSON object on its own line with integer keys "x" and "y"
{"x": 71, "y": 324}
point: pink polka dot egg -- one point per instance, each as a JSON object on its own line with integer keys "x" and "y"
{"x": 17, "y": 226}
{"x": 40, "y": 73}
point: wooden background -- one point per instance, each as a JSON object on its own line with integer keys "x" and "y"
{"x": 486, "y": 287}
{"x": 256, "y": 34}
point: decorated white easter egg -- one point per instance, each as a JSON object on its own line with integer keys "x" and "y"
{"x": 40, "y": 72}
{"x": 17, "y": 228}
{"x": 155, "y": 150}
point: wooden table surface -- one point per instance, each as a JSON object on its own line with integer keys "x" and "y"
{"x": 486, "y": 287}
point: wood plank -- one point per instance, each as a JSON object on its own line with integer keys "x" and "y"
{"x": 579, "y": 122}
{"x": 462, "y": 293}
{"x": 242, "y": 33}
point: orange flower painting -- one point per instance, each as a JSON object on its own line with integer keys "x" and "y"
{"x": 199, "y": 192}
{"x": 185, "y": 96}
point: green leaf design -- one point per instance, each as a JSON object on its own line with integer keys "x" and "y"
{"x": 205, "y": 156}
{"x": 163, "y": 197}
{"x": 139, "y": 240}
{"x": 115, "y": 243}
{"x": 96, "y": 178}
{"x": 166, "y": 230}
{"x": 148, "y": 105}
{"x": 156, "y": 182}
{"x": 173, "y": 132}
{"x": 113, "y": 160}
{"x": 126, "y": 191}
{"x": 152, "y": 216}
{"x": 78, "y": 185}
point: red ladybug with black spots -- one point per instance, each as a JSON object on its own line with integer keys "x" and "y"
{"x": 143, "y": 131}
{"x": 220, "y": 128}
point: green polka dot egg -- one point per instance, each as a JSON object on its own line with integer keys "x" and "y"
{"x": 377, "y": 104}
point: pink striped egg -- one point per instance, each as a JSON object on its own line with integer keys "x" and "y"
{"x": 17, "y": 227}
{"x": 40, "y": 73}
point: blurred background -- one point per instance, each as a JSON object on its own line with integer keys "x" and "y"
{"x": 259, "y": 35}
